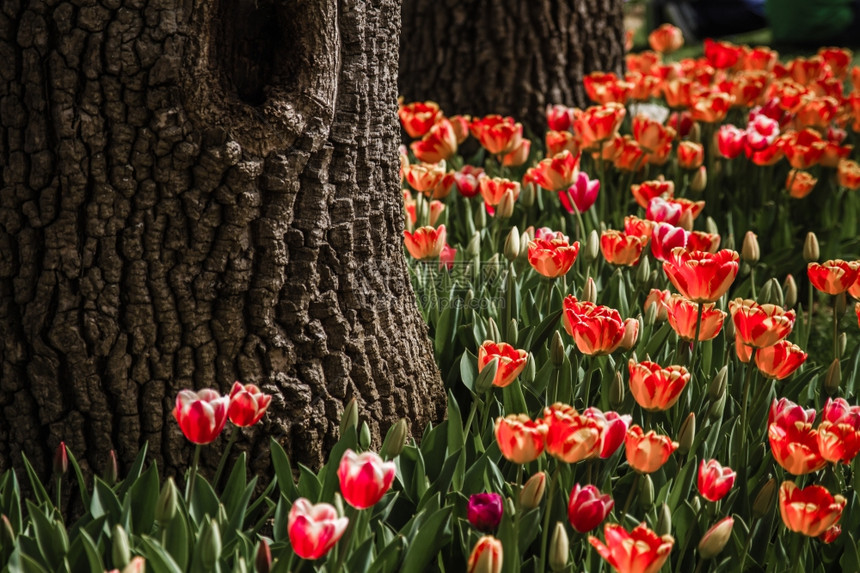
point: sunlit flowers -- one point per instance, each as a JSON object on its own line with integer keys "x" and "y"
{"x": 714, "y": 480}
{"x": 621, "y": 249}
{"x": 800, "y": 183}
{"x": 811, "y": 510}
{"x": 581, "y": 195}
{"x": 655, "y": 387}
{"x": 493, "y": 189}
{"x": 587, "y": 507}
{"x": 439, "y": 143}
{"x": 499, "y": 135}
{"x": 839, "y": 431}
{"x": 520, "y": 439}
{"x": 511, "y": 361}
{"x": 364, "y": 478}
{"x": 793, "y": 441}
{"x": 571, "y": 437}
{"x": 665, "y": 238}
{"x": 682, "y": 315}
{"x": 418, "y": 117}
{"x": 647, "y": 452}
{"x": 638, "y": 551}
{"x": 596, "y": 329}
{"x": 779, "y": 360}
{"x": 700, "y": 276}
{"x": 552, "y": 258}
{"x": 597, "y": 124}
{"x": 557, "y": 172}
{"x": 201, "y": 415}
{"x": 834, "y": 276}
{"x": 760, "y": 325}
{"x": 424, "y": 177}
{"x": 647, "y": 190}
{"x": 425, "y": 242}
{"x": 690, "y": 155}
{"x": 248, "y": 404}
{"x": 314, "y": 529}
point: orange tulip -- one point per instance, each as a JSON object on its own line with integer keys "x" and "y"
{"x": 702, "y": 241}
{"x": 511, "y": 361}
{"x": 647, "y": 190}
{"x": 425, "y": 242}
{"x": 437, "y": 144}
{"x": 638, "y": 227}
{"x": 857, "y": 312}
{"x": 811, "y": 510}
{"x": 654, "y": 387}
{"x": 494, "y": 188}
{"x": 800, "y": 183}
{"x": 839, "y": 431}
{"x": 424, "y": 177}
{"x": 848, "y": 174}
{"x": 838, "y": 59}
{"x": 682, "y": 315}
{"x": 630, "y": 156}
{"x": 552, "y": 257}
{"x": 639, "y": 551}
{"x": 417, "y": 118}
{"x": 666, "y": 39}
{"x": 678, "y": 92}
{"x": 570, "y": 436}
{"x": 558, "y": 172}
{"x": 606, "y": 87}
{"x": 644, "y": 62}
{"x": 760, "y": 325}
{"x": 817, "y": 113}
{"x": 520, "y": 439}
{"x": 711, "y": 107}
{"x": 834, "y": 276}
{"x": 558, "y": 141}
{"x": 690, "y": 155}
{"x": 780, "y": 360}
{"x": 646, "y": 453}
{"x": 596, "y": 329}
{"x": 460, "y": 125}
{"x": 700, "y": 276}
{"x": 436, "y": 208}
{"x": 793, "y": 441}
{"x": 621, "y": 249}
{"x": 519, "y": 155}
{"x": 760, "y": 58}
{"x": 597, "y": 124}
{"x": 803, "y": 149}
{"x": 643, "y": 86}
{"x": 651, "y": 135}
{"x": 498, "y": 135}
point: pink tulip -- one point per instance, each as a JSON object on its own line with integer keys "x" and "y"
{"x": 201, "y": 415}
{"x": 666, "y": 237}
{"x": 588, "y": 507}
{"x": 247, "y": 404}
{"x": 581, "y": 195}
{"x": 364, "y": 478}
{"x": 314, "y": 529}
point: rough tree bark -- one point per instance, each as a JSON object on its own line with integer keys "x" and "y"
{"x": 488, "y": 56}
{"x": 196, "y": 192}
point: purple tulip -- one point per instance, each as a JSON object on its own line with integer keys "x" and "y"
{"x": 485, "y": 511}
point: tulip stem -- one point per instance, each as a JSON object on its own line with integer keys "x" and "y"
{"x": 233, "y": 435}
{"x": 747, "y": 545}
{"x": 699, "y": 565}
{"x": 835, "y": 327}
{"x": 809, "y": 315}
{"x": 59, "y": 493}
{"x": 192, "y": 476}
{"x": 580, "y": 230}
{"x": 544, "y": 534}
{"x": 634, "y": 487}
{"x": 746, "y": 398}
{"x": 548, "y": 291}
{"x": 472, "y": 410}
{"x": 752, "y": 281}
{"x": 346, "y": 540}
{"x": 587, "y": 381}
{"x": 699, "y": 313}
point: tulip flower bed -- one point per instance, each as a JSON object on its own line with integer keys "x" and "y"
{"x": 628, "y": 388}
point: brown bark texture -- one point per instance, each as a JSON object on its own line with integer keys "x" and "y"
{"x": 479, "y": 57}
{"x": 196, "y": 192}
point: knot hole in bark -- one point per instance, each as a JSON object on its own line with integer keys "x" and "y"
{"x": 256, "y": 43}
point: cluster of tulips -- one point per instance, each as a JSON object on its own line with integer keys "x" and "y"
{"x": 701, "y": 134}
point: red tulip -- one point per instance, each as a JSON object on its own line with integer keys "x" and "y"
{"x": 587, "y": 507}
{"x": 597, "y": 330}
{"x": 702, "y": 241}
{"x": 690, "y": 155}
{"x": 683, "y": 314}
{"x": 364, "y": 478}
{"x": 425, "y": 242}
{"x": 606, "y": 87}
{"x": 467, "y": 180}
{"x": 811, "y": 510}
{"x": 570, "y": 437}
{"x": 558, "y": 117}
{"x": 247, "y": 404}
{"x": 520, "y": 439}
{"x": 494, "y": 188}
{"x": 721, "y": 55}
{"x": 558, "y": 172}
{"x": 665, "y": 238}
{"x": 654, "y": 387}
{"x": 552, "y": 257}
{"x": 647, "y": 190}
{"x": 760, "y": 325}
{"x": 848, "y": 174}
{"x": 661, "y": 299}
{"x": 639, "y": 227}
{"x": 621, "y": 249}
{"x": 792, "y": 440}
{"x": 833, "y": 277}
{"x": 424, "y": 177}
{"x": 780, "y": 360}
{"x": 511, "y": 361}
{"x": 613, "y": 428}
{"x": 646, "y": 453}
{"x": 730, "y": 141}
{"x": 418, "y": 117}
{"x": 314, "y": 529}
{"x": 699, "y": 276}
{"x": 663, "y": 211}
{"x": 201, "y": 415}
{"x": 499, "y": 135}
{"x": 839, "y": 431}
{"x": 639, "y": 551}
{"x": 715, "y": 481}
{"x": 439, "y": 143}
{"x": 652, "y": 135}
{"x": 599, "y": 123}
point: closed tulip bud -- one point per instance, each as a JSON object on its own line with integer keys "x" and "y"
{"x": 210, "y": 544}
{"x": 687, "y": 433}
{"x": 717, "y": 387}
{"x": 111, "y": 473}
{"x": 512, "y": 245}
{"x": 700, "y": 180}
{"x": 646, "y": 492}
{"x": 696, "y": 504}
{"x": 643, "y": 273}
{"x": 589, "y": 291}
{"x": 480, "y": 217}
{"x": 263, "y": 559}
{"x": 833, "y": 378}
{"x": 120, "y": 551}
{"x": 524, "y": 247}
{"x": 652, "y": 278}
{"x": 349, "y": 419}
{"x": 165, "y": 507}
{"x": 715, "y": 412}
{"x": 532, "y": 493}
{"x": 729, "y": 329}
{"x": 486, "y": 556}
{"x": 556, "y": 354}
{"x": 842, "y": 343}
{"x": 529, "y": 194}
{"x": 473, "y": 249}
{"x": 61, "y": 460}
{"x": 469, "y": 298}
{"x": 664, "y": 520}
{"x": 686, "y": 221}
{"x": 513, "y": 332}
{"x": 711, "y": 226}
{"x": 811, "y": 252}
{"x": 493, "y": 331}
{"x": 695, "y": 134}
{"x": 789, "y": 288}
{"x": 485, "y": 511}
{"x": 485, "y": 378}
{"x": 716, "y": 538}
{"x": 631, "y": 333}
{"x": 771, "y": 293}
{"x": 651, "y": 315}
{"x": 559, "y": 548}
{"x": 616, "y": 391}
{"x": 750, "y": 252}
{"x": 592, "y": 247}
{"x": 528, "y": 373}
{"x": 364, "y": 436}
{"x": 765, "y": 498}
{"x": 395, "y": 440}
{"x": 505, "y": 208}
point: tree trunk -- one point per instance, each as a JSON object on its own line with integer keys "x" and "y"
{"x": 479, "y": 57}
{"x": 194, "y": 193}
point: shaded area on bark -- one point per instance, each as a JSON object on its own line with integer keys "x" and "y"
{"x": 513, "y": 58}
{"x": 175, "y": 215}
